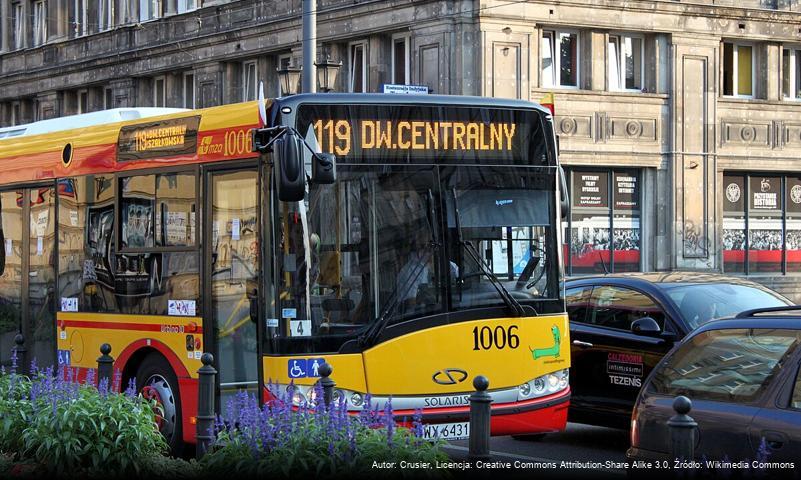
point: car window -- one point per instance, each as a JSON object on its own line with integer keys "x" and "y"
{"x": 577, "y": 300}
{"x": 617, "y": 307}
{"x": 725, "y": 365}
{"x": 702, "y": 302}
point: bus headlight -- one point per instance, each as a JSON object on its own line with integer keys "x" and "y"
{"x": 356, "y": 399}
{"x": 298, "y": 398}
{"x": 544, "y": 385}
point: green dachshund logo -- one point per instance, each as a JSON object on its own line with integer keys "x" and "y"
{"x": 550, "y": 351}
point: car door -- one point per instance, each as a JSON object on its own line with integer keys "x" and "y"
{"x": 609, "y": 361}
{"x": 778, "y": 425}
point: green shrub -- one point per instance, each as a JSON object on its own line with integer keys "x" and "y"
{"x": 15, "y": 411}
{"x": 76, "y": 428}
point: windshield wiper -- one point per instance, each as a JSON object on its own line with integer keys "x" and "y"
{"x": 511, "y": 302}
{"x": 401, "y": 291}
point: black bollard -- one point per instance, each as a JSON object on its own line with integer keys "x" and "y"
{"x": 105, "y": 365}
{"x": 205, "y": 405}
{"x": 20, "y": 350}
{"x": 328, "y": 385}
{"x": 682, "y": 430}
{"x": 480, "y": 414}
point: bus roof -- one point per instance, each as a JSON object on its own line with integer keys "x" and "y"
{"x": 389, "y": 98}
{"x": 84, "y": 120}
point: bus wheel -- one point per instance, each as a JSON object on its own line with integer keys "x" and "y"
{"x": 534, "y": 437}
{"x": 158, "y": 382}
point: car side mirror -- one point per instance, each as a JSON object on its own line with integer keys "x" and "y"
{"x": 646, "y": 326}
{"x": 324, "y": 168}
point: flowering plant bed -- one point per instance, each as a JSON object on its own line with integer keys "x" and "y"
{"x": 51, "y": 424}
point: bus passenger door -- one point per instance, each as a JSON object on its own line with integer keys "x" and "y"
{"x": 231, "y": 277}
{"x": 27, "y": 283}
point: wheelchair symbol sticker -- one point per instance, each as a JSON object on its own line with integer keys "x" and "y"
{"x": 296, "y": 368}
{"x": 304, "y": 367}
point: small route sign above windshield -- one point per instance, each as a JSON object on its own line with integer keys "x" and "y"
{"x": 406, "y": 89}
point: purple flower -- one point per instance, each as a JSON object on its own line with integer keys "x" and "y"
{"x": 130, "y": 392}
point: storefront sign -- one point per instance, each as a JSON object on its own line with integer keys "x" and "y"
{"x": 765, "y": 193}
{"x": 627, "y": 191}
{"x": 794, "y": 195}
{"x": 733, "y": 194}
{"x": 591, "y": 189}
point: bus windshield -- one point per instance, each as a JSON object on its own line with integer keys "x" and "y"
{"x": 389, "y": 243}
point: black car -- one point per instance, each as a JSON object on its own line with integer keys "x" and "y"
{"x": 622, "y": 325}
{"x": 742, "y": 376}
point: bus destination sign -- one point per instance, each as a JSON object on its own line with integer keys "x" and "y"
{"x": 391, "y": 133}
{"x": 162, "y": 139}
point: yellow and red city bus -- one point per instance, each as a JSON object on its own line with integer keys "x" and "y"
{"x": 430, "y": 257}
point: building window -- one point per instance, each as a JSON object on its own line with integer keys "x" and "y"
{"x": 81, "y": 20}
{"x": 560, "y": 59}
{"x": 603, "y": 233}
{"x": 39, "y": 23}
{"x": 249, "y": 81}
{"x": 791, "y": 73}
{"x": 625, "y": 62}
{"x": 83, "y": 101}
{"x": 17, "y": 25}
{"x": 400, "y": 60}
{"x": 149, "y": 9}
{"x": 761, "y": 223}
{"x": 738, "y": 70}
{"x": 189, "y": 90}
{"x": 159, "y": 92}
{"x": 186, "y": 5}
{"x": 16, "y": 117}
{"x": 108, "y": 98}
{"x": 105, "y": 14}
{"x": 283, "y": 62}
{"x": 357, "y": 61}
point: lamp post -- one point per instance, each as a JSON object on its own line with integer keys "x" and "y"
{"x": 327, "y": 72}
{"x": 289, "y": 77}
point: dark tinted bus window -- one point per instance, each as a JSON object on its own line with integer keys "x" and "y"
{"x": 136, "y": 211}
{"x": 85, "y": 248}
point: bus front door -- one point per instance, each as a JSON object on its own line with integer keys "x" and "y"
{"x": 231, "y": 277}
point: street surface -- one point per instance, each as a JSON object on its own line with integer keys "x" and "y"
{"x": 579, "y": 443}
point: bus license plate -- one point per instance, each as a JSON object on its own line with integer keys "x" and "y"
{"x": 447, "y": 431}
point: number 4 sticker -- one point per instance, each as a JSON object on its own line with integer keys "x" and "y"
{"x": 300, "y": 328}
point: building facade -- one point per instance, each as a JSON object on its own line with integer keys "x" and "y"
{"x": 679, "y": 120}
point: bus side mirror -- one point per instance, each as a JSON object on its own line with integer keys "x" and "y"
{"x": 324, "y": 168}
{"x": 289, "y": 169}
{"x": 564, "y": 197}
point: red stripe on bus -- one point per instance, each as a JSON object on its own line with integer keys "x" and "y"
{"x": 143, "y": 327}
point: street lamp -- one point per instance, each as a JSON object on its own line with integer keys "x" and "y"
{"x": 327, "y": 72}
{"x": 289, "y": 77}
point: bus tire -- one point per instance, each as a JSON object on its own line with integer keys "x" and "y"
{"x": 155, "y": 379}
{"x": 533, "y": 437}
